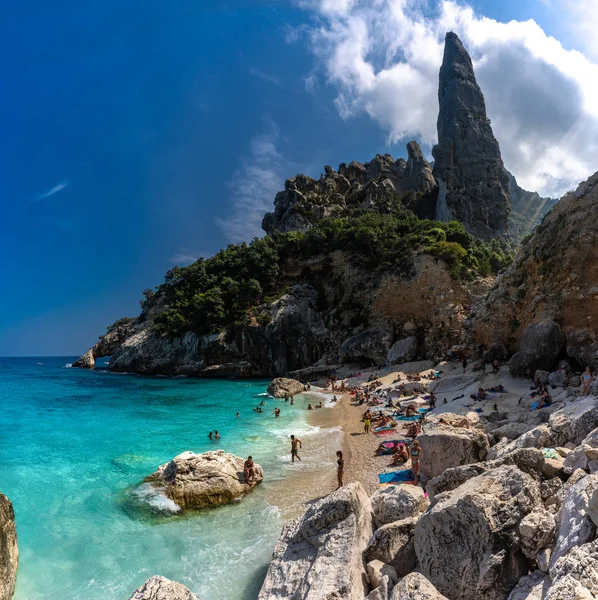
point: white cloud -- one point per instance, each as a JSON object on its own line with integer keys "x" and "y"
{"x": 383, "y": 57}
{"x": 265, "y": 76}
{"x": 57, "y": 188}
{"x": 254, "y": 186}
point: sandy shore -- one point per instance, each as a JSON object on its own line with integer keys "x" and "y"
{"x": 340, "y": 427}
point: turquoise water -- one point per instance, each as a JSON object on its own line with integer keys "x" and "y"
{"x": 74, "y": 446}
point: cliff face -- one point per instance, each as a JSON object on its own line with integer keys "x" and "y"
{"x": 552, "y": 280}
{"x": 306, "y": 201}
{"x": 9, "y": 552}
{"x": 473, "y": 183}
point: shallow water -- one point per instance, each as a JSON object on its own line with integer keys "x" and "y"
{"x": 74, "y": 447}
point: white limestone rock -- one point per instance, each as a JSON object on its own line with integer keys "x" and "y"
{"x": 398, "y": 502}
{"x": 160, "y": 588}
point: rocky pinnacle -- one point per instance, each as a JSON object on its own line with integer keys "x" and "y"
{"x": 473, "y": 183}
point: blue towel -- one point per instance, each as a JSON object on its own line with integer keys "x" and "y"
{"x": 478, "y": 410}
{"x": 423, "y": 410}
{"x": 534, "y": 406}
{"x": 396, "y": 477}
{"x": 414, "y": 418}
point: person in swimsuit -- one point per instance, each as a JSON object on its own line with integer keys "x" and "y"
{"x": 238, "y": 415}
{"x": 295, "y": 442}
{"x": 586, "y": 380}
{"x": 366, "y": 424}
{"x": 340, "y": 468}
{"x": 416, "y": 452}
{"x": 216, "y": 435}
{"x": 249, "y": 471}
{"x": 401, "y": 457}
{"x": 276, "y": 412}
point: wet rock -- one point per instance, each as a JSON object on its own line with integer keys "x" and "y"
{"x": 281, "y": 387}
{"x": 319, "y": 555}
{"x": 160, "y": 588}
{"x": 9, "y": 551}
{"x": 204, "y": 480}
{"x": 468, "y": 544}
{"x": 398, "y": 502}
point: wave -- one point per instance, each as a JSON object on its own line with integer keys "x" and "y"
{"x": 155, "y": 498}
{"x": 263, "y": 395}
{"x": 68, "y": 366}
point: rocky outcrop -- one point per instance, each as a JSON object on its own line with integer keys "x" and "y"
{"x": 447, "y": 447}
{"x": 204, "y": 480}
{"x": 372, "y": 344}
{"x": 373, "y": 185}
{"x": 319, "y": 555}
{"x": 473, "y": 183}
{"x": 9, "y": 551}
{"x": 416, "y": 587}
{"x": 540, "y": 347}
{"x": 575, "y": 576}
{"x": 468, "y": 544}
{"x": 575, "y": 421}
{"x": 108, "y": 344}
{"x": 393, "y": 544}
{"x": 552, "y": 279}
{"x": 281, "y": 387}
{"x": 160, "y": 588}
{"x": 398, "y": 502}
{"x": 404, "y": 350}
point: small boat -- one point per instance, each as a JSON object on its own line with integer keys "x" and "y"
{"x": 40, "y": 363}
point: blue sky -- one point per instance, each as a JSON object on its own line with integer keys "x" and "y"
{"x": 136, "y": 135}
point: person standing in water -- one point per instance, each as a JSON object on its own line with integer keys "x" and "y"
{"x": 340, "y": 469}
{"x": 295, "y": 443}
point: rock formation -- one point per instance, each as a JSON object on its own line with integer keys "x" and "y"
{"x": 204, "y": 480}
{"x": 282, "y": 387}
{"x": 306, "y": 201}
{"x": 319, "y": 555}
{"x": 160, "y": 588}
{"x": 473, "y": 183}
{"x": 9, "y": 551}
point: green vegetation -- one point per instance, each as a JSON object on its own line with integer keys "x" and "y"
{"x": 224, "y": 290}
{"x": 123, "y": 322}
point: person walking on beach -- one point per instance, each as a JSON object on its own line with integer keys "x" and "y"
{"x": 366, "y": 423}
{"x": 249, "y": 471}
{"x": 416, "y": 453}
{"x": 340, "y": 469}
{"x": 295, "y": 443}
{"x": 586, "y": 380}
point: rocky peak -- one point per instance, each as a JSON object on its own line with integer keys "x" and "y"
{"x": 305, "y": 201}
{"x": 473, "y": 183}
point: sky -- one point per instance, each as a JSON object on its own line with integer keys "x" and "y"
{"x": 139, "y": 135}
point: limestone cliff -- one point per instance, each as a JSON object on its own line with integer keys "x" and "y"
{"x": 473, "y": 183}
{"x": 552, "y": 280}
{"x": 9, "y": 552}
{"x": 305, "y": 201}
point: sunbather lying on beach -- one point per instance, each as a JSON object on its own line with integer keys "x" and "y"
{"x": 462, "y": 422}
{"x": 414, "y": 429}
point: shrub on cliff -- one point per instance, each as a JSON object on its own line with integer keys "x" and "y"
{"x": 225, "y": 289}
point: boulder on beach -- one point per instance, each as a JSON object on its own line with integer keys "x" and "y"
{"x": 319, "y": 555}
{"x": 397, "y": 502}
{"x": 444, "y": 447}
{"x": 415, "y": 587}
{"x": 204, "y": 480}
{"x": 160, "y": 588}
{"x": 371, "y": 344}
{"x": 575, "y": 421}
{"x": 541, "y": 344}
{"x": 9, "y": 551}
{"x": 468, "y": 542}
{"x": 393, "y": 544}
{"x": 281, "y": 387}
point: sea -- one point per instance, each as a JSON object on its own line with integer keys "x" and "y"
{"x": 75, "y": 446}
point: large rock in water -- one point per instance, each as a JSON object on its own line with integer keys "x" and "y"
{"x": 160, "y": 588}
{"x": 9, "y": 551}
{"x": 541, "y": 344}
{"x": 319, "y": 555}
{"x": 372, "y": 344}
{"x": 204, "y": 480}
{"x": 281, "y": 387}
{"x": 468, "y": 542}
{"x": 473, "y": 183}
{"x": 444, "y": 447}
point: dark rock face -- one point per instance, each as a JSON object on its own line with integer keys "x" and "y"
{"x": 372, "y": 344}
{"x": 540, "y": 347}
{"x": 305, "y": 201}
{"x": 473, "y": 183}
